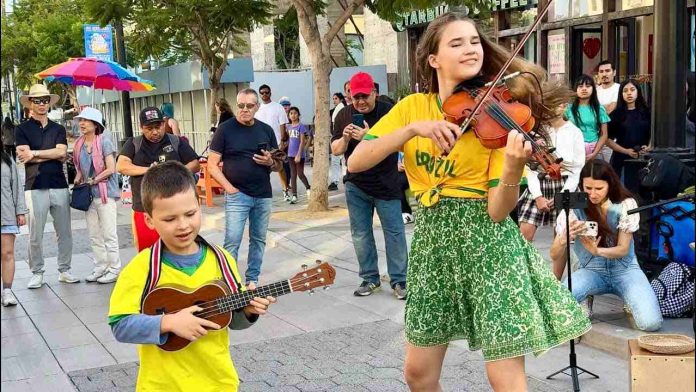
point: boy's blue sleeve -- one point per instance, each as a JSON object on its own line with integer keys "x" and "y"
{"x": 139, "y": 329}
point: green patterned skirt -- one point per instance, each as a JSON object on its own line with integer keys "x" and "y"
{"x": 470, "y": 278}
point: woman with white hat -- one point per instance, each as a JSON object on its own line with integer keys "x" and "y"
{"x": 94, "y": 157}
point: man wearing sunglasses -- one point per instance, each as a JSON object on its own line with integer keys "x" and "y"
{"x": 42, "y": 147}
{"x": 244, "y": 145}
{"x": 273, "y": 114}
{"x": 376, "y": 189}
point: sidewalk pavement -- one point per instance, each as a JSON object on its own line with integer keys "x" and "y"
{"x": 58, "y": 338}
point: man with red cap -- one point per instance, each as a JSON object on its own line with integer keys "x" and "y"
{"x": 377, "y": 188}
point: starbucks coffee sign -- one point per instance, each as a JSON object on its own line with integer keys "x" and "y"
{"x": 499, "y": 5}
{"x": 420, "y": 17}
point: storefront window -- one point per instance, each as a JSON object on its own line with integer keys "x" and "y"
{"x": 565, "y": 9}
{"x": 522, "y": 18}
{"x": 630, "y": 4}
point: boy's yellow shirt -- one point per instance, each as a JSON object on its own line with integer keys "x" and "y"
{"x": 469, "y": 170}
{"x": 203, "y": 365}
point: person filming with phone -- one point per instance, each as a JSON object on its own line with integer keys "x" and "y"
{"x": 378, "y": 188}
{"x": 244, "y": 145}
{"x": 603, "y": 233}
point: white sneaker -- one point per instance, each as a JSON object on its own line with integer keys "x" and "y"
{"x": 94, "y": 276}
{"x": 67, "y": 277}
{"x": 286, "y": 195}
{"x": 36, "y": 281}
{"x": 8, "y": 298}
{"x": 108, "y": 277}
{"x": 293, "y": 200}
{"x": 308, "y": 193}
{"x": 408, "y": 218}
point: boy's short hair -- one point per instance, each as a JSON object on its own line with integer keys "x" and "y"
{"x": 165, "y": 180}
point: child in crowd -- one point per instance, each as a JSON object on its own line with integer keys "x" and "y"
{"x": 296, "y": 151}
{"x": 184, "y": 259}
{"x": 537, "y": 202}
{"x": 14, "y": 211}
{"x": 588, "y": 115}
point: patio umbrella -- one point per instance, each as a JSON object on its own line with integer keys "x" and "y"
{"x": 102, "y": 74}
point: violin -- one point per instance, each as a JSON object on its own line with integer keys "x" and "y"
{"x": 492, "y": 112}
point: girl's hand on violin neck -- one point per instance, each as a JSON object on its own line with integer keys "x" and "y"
{"x": 444, "y": 134}
{"x": 517, "y": 151}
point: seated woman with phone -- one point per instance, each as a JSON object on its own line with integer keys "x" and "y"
{"x": 603, "y": 233}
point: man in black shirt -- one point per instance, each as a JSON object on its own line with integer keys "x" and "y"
{"x": 244, "y": 144}
{"x": 42, "y": 147}
{"x": 378, "y": 188}
{"x": 138, "y": 154}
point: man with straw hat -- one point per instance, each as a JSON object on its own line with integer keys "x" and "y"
{"x": 42, "y": 147}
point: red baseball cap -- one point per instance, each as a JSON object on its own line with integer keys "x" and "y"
{"x": 361, "y": 83}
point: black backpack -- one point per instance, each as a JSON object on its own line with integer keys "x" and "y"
{"x": 666, "y": 176}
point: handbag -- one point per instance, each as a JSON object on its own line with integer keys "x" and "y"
{"x": 81, "y": 197}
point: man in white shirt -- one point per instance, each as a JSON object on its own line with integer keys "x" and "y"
{"x": 273, "y": 114}
{"x": 607, "y": 94}
{"x": 607, "y": 90}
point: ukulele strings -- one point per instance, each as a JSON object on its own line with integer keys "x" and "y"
{"x": 212, "y": 308}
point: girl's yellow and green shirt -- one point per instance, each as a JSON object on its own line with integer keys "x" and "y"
{"x": 468, "y": 171}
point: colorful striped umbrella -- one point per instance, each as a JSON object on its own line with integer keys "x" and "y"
{"x": 101, "y": 74}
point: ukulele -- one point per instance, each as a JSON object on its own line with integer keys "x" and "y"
{"x": 218, "y": 302}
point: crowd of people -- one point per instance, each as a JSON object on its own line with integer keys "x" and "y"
{"x": 472, "y": 272}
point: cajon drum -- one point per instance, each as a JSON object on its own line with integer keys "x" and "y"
{"x": 651, "y": 372}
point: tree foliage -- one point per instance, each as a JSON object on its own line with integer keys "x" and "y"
{"x": 287, "y": 40}
{"x": 170, "y": 30}
{"x": 39, "y": 34}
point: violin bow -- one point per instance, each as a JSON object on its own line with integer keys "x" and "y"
{"x": 505, "y": 66}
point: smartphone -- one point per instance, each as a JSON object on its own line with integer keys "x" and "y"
{"x": 359, "y": 120}
{"x": 261, "y": 146}
{"x": 590, "y": 229}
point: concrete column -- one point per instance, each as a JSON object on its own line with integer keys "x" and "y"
{"x": 263, "y": 48}
{"x": 381, "y": 45}
{"x": 669, "y": 79}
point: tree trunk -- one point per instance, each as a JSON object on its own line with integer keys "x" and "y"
{"x": 215, "y": 86}
{"x": 319, "y": 197}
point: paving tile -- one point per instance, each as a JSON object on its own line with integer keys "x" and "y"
{"x": 10, "y": 312}
{"x": 42, "y": 294}
{"x": 68, "y": 337}
{"x": 93, "y": 314}
{"x": 23, "y": 344}
{"x": 267, "y": 325}
{"x": 16, "y": 326}
{"x": 57, "y": 320}
{"x": 53, "y": 383}
{"x": 27, "y": 366}
{"x": 102, "y": 331}
{"x": 123, "y": 352}
{"x": 44, "y": 306}
{"x": 83, "y": 357}
{"x": 85, "y": 300}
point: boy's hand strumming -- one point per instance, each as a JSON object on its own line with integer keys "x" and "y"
{"x": 186, "y": 325}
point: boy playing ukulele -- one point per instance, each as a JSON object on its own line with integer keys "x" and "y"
{"x": 183, "y": 259}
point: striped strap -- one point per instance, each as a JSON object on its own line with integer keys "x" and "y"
{"x": 156, "y": 267}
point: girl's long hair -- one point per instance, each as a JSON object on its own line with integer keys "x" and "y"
{"x": 341, "y": 98}
{"x": 594, "y": 101}
{"x": 598, "y": 169}
{"x": 642, "y": 107}
{"x": 4, "y": 155}
{"x": 523, "y": 88}
{"x": 223, "y": 105}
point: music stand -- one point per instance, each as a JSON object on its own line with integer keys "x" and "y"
{"x": 564, "y": 201}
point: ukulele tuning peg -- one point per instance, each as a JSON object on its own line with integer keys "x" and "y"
{"x": 551, "y": 150}
{"x": 541, "y": 176}
{"x": 318, "y": 262}
{"x": 559, "y": 160}
{"x": 304, "y": 267}
{"x": 311, "y": 292}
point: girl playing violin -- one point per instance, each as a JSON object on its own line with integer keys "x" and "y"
{"x": 471, "y": 274}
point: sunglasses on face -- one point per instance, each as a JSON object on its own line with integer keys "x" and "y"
{"x": 40, "y": 100}
{"x": 264, "y": 92}
{"x": 247, "y": 106}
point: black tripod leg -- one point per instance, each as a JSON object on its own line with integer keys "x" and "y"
{"x": 574, "y": 376}
{"x": 587, "y": 372}
{"x": 549, "y": 377}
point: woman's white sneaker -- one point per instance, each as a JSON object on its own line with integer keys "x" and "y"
{"x": 67, "y": 277}
{"x": 8, "y": 298}
{"x": 94, "y": 276}
{"x": 36, "y": 281}
{"x": 108, "y": 277}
